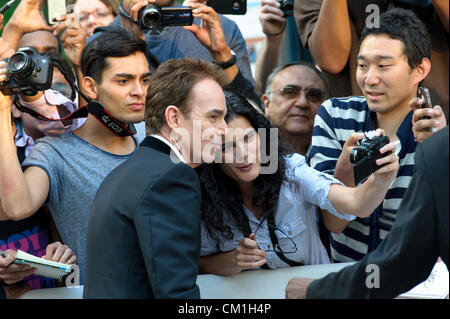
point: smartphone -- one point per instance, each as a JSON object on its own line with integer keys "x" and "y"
{"x": 55, "y": 8}
{"x": 229, "y": 6}
{"x": 424, "y": 94}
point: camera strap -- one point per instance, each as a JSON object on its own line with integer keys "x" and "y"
{"x": 126, "y": 15}
{"x": 98, "y": 111}
{"x": 93, "y": 107}
{"x": 82, "y": 112}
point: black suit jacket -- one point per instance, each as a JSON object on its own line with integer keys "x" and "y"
{"x": 143, "y": 234}
{"x": 420, "y": 234}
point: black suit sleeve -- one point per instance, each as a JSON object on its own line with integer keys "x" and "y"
{"x": 168, "y": 228}
{"x": 405, "y": 257}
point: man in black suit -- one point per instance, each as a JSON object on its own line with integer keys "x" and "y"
{"x": 419, "y": 236}
{"x": 143, "y": 237}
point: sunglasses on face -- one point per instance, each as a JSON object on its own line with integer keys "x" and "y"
{"x": 313, "y": 95}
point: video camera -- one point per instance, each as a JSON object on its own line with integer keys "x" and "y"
{"x": 152, "y": 16}
{"x": 30, "y": 72}
{"x": 364, "y": 156}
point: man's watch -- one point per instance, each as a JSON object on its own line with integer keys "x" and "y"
{"x": 225, "y": 65}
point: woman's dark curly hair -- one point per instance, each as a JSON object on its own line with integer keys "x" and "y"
{"x": 221, "y": 196}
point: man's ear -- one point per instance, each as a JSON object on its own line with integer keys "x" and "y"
{"x": 90, "y": 87}
{"x": 173, "y": 117}
{"x": 422, "y": 70}
{"x": 266, "y": 100}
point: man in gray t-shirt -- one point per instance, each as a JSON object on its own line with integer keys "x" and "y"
{"x": 66, "y": 171}
{"x": 75, "y": 170}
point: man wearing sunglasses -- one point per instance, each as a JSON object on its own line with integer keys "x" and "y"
{"x": 293, "y": 95}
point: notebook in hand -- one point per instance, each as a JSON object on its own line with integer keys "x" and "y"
{"x": 435, "y": 287}
{"x": 45, "y": 268}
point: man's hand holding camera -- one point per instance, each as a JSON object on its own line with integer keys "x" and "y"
{"x": 210, "y": 34}
{"x": 132, "y": 7}
{"x": 272, "y": 19}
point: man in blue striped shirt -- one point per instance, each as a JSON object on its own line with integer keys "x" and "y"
{"x": 393, "y": 60}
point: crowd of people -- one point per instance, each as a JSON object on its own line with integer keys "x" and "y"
{"x": 154, "y": 155}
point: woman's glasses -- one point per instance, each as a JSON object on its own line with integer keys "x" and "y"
{"x": 288, "y": 248}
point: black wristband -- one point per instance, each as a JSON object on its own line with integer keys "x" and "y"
{"x": 227, "y": 64}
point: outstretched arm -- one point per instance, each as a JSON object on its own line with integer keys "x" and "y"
{"x": 21, "y": 194}
{"x": 330, "y": 41}
{"x": 364, "y": 199}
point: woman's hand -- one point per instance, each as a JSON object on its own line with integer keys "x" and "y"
{"x": 248, "y": 256}
{"x": 388, "y": 172}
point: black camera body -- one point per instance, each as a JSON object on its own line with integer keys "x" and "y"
{"x": 364, "y": 156}
{"x": 151, "y": 16}
{"x": 287, "y": 6}
{"x": 30, "y": 72}
{"x": 228, "y": 6}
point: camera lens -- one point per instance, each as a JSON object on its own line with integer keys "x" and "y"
{"x": 287, "y": 6}
{"x": 20, "y": 65}
{"x": 151, "y": 16}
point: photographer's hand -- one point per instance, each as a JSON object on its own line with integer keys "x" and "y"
{"x": 133, "y": 7}
{"x": 210, "y": 34}
{"x": 272, "y": 18}
{"x": 5, "y": 50}
{"x": 421, "y": 124}
{"x": 26, "y": 18}
{"x": 273, "y": 24}
{"x": 73, "y": 39}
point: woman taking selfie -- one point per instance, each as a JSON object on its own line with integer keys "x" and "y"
{"x": 253, "y": 218}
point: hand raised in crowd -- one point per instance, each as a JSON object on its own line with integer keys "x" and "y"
{"x": 271, "y": 17}
{"x": 423, "y": 121}
{"x": 133, "y": 7}
{"x": 296, "y": 288}
{"x": 5, "y": 50}
{"x": 210, "y": 32}
{"x": 26, "y": 18}
{"x": 60, "y": 253}
{"x": 12, "y": 273}
{"x": 248, "y": 256}
{"x": 73, "y": 37}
